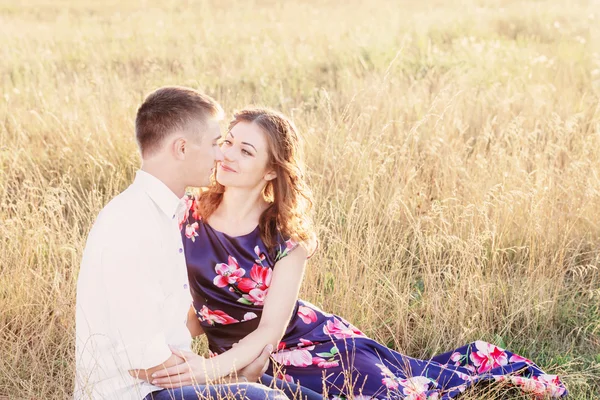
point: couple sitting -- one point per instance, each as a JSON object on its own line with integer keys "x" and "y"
{"x": 236, "y": 253}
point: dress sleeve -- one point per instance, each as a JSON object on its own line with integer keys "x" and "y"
{"x": 286, "y": 246}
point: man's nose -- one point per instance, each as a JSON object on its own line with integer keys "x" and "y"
{"x": 218, "y": 154}
{"x": 227, "y": 154}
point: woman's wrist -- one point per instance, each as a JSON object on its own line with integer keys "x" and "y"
{"x": 237, "y": 378}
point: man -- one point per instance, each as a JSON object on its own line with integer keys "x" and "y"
{"x": 132, "y": 293}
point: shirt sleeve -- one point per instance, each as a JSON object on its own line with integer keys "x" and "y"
{"x": 134, "y": 297}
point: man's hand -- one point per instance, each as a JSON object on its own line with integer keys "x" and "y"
{"x": 257, "y": 368}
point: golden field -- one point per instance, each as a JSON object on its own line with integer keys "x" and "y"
{"x": 453, "y": 149}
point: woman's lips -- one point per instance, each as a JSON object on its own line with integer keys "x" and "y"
{"x": 226, "y": 168}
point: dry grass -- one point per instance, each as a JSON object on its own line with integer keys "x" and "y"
{"x": 454, "y": 151}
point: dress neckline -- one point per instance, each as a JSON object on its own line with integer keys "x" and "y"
{"x": 230, "y": 236}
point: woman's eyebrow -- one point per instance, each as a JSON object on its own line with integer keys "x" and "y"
{"x": 246, "y": 143}
{"x": 249, "y": 144}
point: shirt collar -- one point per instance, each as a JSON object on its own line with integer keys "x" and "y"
{"x": 164, "y": 197}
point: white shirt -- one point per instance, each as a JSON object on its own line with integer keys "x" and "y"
{"x": 132, "y": 292}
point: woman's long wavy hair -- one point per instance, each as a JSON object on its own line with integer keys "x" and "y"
{"x": 288, "y": 194}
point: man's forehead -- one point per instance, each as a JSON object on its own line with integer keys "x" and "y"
{"x": 207, "y": 127}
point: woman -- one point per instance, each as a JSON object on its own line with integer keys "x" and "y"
{"x": 246, "y": 242}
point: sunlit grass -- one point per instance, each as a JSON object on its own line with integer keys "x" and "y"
{"x": 453, "y": 150}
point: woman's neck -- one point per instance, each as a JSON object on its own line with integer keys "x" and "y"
{"x": 241, "y": 206}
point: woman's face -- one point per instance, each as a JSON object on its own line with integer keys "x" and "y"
{"x": 245, "y": 158}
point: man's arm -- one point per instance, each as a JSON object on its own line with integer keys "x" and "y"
{"x": 193, "y": 325}
{"x": 134, "y": 298}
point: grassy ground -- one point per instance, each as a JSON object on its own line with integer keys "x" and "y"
{"x": 453, "y": 150}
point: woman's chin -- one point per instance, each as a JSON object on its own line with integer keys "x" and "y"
{"x": 221, "y": 180}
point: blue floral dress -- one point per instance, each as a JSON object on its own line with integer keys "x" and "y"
{"x": 229, "y": 280}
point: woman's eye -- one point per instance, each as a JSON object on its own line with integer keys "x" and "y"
{"x": 246, "y": 152}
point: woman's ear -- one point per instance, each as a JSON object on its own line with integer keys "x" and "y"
{"x": 270, "y": 175}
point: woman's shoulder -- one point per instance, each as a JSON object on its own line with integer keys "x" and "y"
{"x": 287, "y": 244}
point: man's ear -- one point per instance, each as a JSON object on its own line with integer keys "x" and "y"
{"x": 270, "y": 175}
{"x": 178, "y": 147}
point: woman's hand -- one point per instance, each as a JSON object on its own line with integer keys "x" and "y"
{"x": 257, "y": 368}
{"x": 193, "y": 370}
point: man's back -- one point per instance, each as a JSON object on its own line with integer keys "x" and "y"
{"x": 132, "y": 292}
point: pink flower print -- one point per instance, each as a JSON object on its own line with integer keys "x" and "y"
{"x": 323, "y": 363}
{"x": 284, "y": 377}
{"x": 290, "y": 245}
{"x": 250, "y": 316}
{"x": 329, "y": 360}
{"x": 216, "y": 316}
{"x": 261, "y": 256}
{"x": 337, "y": 329}
{"x": 529, "y": 385}
{"x": 354, "y": 329}
{"x": 296, "y": 358}
{"x": 281, "y": 346}
{"x": 195, "y": 214}
{"x": 260, "y": 278}
{"x": 488, "y": 356}
{"x": 415, "y": 388}
{"x": 190, "y": 231}
{"x": 464, "y": 377}
{"x": 256, "y": 296}
{"x": 389, "y": 379}
{"x": 307, "y": 314}
{"x": 305, "y": 343}
{"x": 462, "y": 388}
{"x": 187, "y": 203}
{"x": 390, "y": 383}
{"x": 456, "y": 357}
{"x": 518, "y": 358}
{"x": 355, "y": 397}
{"x": 228, "y": 274}
{"x": 552, "y": 383}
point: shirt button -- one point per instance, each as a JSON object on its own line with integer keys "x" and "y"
{"x": 185, "y": 285}
{"x": 180, "y": 250}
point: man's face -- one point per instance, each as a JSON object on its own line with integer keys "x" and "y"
{"x": 202, "y": 152}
